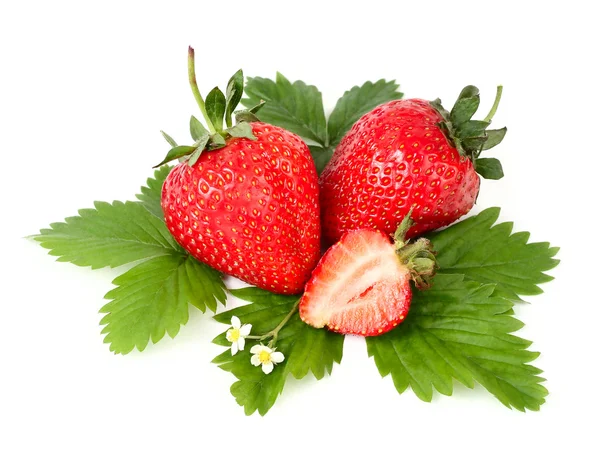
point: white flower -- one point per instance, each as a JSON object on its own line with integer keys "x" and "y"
{"x": 237, "y": 335}
{"x": 265, "y": 356}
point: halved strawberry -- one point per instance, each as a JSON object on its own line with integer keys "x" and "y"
{"x": 361, "y": 285}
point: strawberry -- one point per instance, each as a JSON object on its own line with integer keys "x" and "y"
{"x": 361, "y": 285}
{"x": 409, "y": 154}
{"x": 246, "y": 200}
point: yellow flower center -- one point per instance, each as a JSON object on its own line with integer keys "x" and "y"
{"x": 234, "y": 335}
{"x": 264, "y": 356}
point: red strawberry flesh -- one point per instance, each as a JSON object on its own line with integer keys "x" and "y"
{"x": 360, "y": 286}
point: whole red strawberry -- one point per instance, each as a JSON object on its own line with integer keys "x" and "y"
{"x": 408, "y": 154}
{"x": 246, "y": 200}
{"x": 361, "y": 285}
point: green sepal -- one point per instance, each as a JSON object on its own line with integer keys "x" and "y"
{"x": 466, "y": 105}
{"x": 234, "y": 92}
{"x": 176, "y": 152}
{"x": 402, "y": 229}
{"x": 418, "y": 255}
{"x": 201, "y": 145}
{"x": 437, "y": 105}
{"x": 471, "y": 137}
{"x": 197, "y": 130}
{"x": 471, "y": 129}
{"x": 489, "y": 168}
{"x": 494, "y": 137}
{"x": 215, "y": 108}
{"x": 245, "y": 116}
{"x": 169, "y": 139}
{"x": 256, "y": 107}
{"x": 215, "y": 142}
{"x": 474, "y": 144}
{"x": 249, "y": 115}
{"x": 241, "y": 130}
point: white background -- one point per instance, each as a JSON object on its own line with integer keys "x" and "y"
{"x": 85, "y": 88}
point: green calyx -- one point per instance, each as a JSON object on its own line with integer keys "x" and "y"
{"x": 417, "y": 256}
{"x": 216, "y": 109}
{"x": 471, "y": 137}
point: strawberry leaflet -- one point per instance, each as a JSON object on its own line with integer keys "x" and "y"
{"x": 298, "y": 107}
{"x": 150, "y": 196}
{"x": 356, "y": 102}
{"x": 109, "y": 235}
{"x": 459, "y": 330}
{"x": 306, "y": 349}
{"x": 152, "y": 298}
{"x": 489, "y": 253}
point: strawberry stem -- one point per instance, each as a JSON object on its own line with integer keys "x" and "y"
{"x": 196, "y": 90}
{"x": 275, "y": 332}
{"x": 492, "y": 112}
{"x": 285, "y": 320}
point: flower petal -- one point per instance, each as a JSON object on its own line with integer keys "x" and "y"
{"x": 277, "y": 357}
{"x": 234, "y": 348}
{"x": 245, "y": 330}
{"x": 267, "y": 349}
{"x": 235, "y": 322}
{"x": 256, "y": 348}
{"x": 267, "y": 367}
{"x": 228, "y": 335}
{"x": 254, "y": 360}
{"x": 241, "y": 343}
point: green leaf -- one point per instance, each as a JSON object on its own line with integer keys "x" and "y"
{"x": 494, "y": 137}
{"x": 111, "y": 235}
{"x": 321, "y": 156}
{"x": 489, "y": 168}
{"x": 241, "y": 130}
{"x": 356, "y": 102}
{"x": 305, "y": 348}
{"x": 169, "y": 139}
{"x": 175, "y": 153}
{"x": 150, "y": 196}
{"x": 466, "y": 105}
{"x": 197, "y": 130}
{"x": 215, "y": 108}
{"x": 201, "y": 145}
{"x": 234, "y": 92}
{"x": 152, "y": 299}
{"x": 297, "y": 107}
{"x": 489, "y": 253}
{"x": 460, "y": 330}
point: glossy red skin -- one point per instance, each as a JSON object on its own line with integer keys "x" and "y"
{"x": 250, "y": 209}
{"x": 395, "y": 157}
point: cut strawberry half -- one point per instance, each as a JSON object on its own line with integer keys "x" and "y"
{"x": 361, "y": 285}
